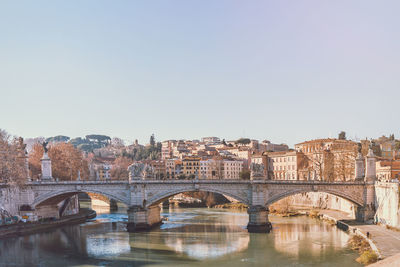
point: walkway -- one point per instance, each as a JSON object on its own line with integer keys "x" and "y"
{"x": 387, "y": 241}
{"x": 393, "y": 261}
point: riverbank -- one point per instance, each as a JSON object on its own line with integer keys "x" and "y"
{"x": 35, "y": 227}
{"x": 393, "y": 261}
{"x": 385, "y": 242}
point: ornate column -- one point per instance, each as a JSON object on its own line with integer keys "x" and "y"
{"x": 258, "y": 219}
{"x": 143, "y": 219}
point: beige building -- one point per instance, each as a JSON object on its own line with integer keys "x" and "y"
{"x": 328, "y": 159}
{"x": 283, "y": 165}
{"x": 100, "y": 168}
{"x": 220, "y": 169}
{"x": 191, "y": 167}
{"x": 232, "y": 169}
{"x": 267, "y": 146}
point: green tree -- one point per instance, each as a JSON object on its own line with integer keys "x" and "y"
{"x": 100, "y": 139}
{"x": 243, "y": 141}
{"x": 342, "y": 135}
{"x": 245, "y": 175}
{"x": 152, "y": 140}
{"x": 58, "y": 138}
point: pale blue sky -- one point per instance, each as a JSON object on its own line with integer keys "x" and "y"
{"x": 286, "y": 71}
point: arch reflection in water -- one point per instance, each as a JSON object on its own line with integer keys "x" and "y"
{"x": 208, "y": 235}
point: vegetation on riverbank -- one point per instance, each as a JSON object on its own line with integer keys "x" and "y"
{"x": 392, "y": 228}
{"x": 284, "y": 213}
{"x": 359, "y": 244}
{"x": 236, "y": 206}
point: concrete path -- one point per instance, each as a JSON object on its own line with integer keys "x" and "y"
{"x": 387, "y": 241}
{"x": 393, "y": 261}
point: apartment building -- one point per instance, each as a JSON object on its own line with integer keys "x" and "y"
{"x": 167, "y": 149}
{"x": 283, "y": 165}
{"x": 211, "y": 139}
{"x": 219, "y": 168}
{"x": 387, "y": 170}
{"x": 173, "y": 168}
{"x": 211, "y": 169}
{"x": 232, "y": 169}
{"x": 388, "y": 149}
{"x": 159, "y": 167}
{"x": 100, "y": 168}
{"x": 191, "y": 166}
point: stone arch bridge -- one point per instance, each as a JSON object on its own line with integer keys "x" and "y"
{"x": 143, "y": 196}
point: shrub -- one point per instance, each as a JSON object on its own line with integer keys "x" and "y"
{"x": 368, "y": 257}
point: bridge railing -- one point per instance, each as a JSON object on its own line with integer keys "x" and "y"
{"x": 125, "y": 181}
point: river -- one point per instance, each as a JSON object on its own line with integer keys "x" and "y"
{"x": 195, "y": 237}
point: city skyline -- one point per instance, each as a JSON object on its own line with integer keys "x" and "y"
{"x": 265, "y": 70}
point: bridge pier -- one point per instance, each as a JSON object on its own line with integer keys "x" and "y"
{"x": 143, "y": 219}
{"x": 48, "y": 211}
{"x": 364, "y": 213}
{"x": 258, "y": 219}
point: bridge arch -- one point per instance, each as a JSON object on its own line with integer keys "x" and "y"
{"x": 351, "y": 198}
{"x": 55, "y": 197}
{"x": 160, "y": 197}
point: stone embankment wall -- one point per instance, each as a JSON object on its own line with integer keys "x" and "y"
{"x": 316, "y": 200}
{"x": 9, "y": 199}
{"x": 12, "y": 197}
{"x": 387, "y": 203}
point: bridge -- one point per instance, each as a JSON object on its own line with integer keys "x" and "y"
{"x": 143, "y": 194}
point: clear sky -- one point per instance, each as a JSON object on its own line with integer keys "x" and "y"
{"x": 286, "y": 71}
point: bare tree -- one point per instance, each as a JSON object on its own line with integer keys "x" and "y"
{"x": 344, "y": 165}
{"x": 12, "y": 166}
{"x": 67, "y": 161}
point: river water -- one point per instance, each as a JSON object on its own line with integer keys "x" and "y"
{"x": 190, "y": 237}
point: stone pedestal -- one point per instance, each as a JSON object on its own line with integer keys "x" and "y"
{"x": 365, "y": 214}
{"x": 370, "y": 166}
{"x": 359, "y": 168}
{"x": 258, "y": 220}
{"x": 46, "y": 167}
{"x": 143, "y": 219}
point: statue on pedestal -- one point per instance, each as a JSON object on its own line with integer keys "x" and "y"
{"x": 140, "y": 170}
{"x": 257, "y": 170}
{"x": 136, "y": 171}
{"x": 148, "y": 171}
{"x": 44, "y": 144}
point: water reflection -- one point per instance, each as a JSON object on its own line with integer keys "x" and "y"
{"x": 199, "y": 237}
{"x": 299, "y": 233}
